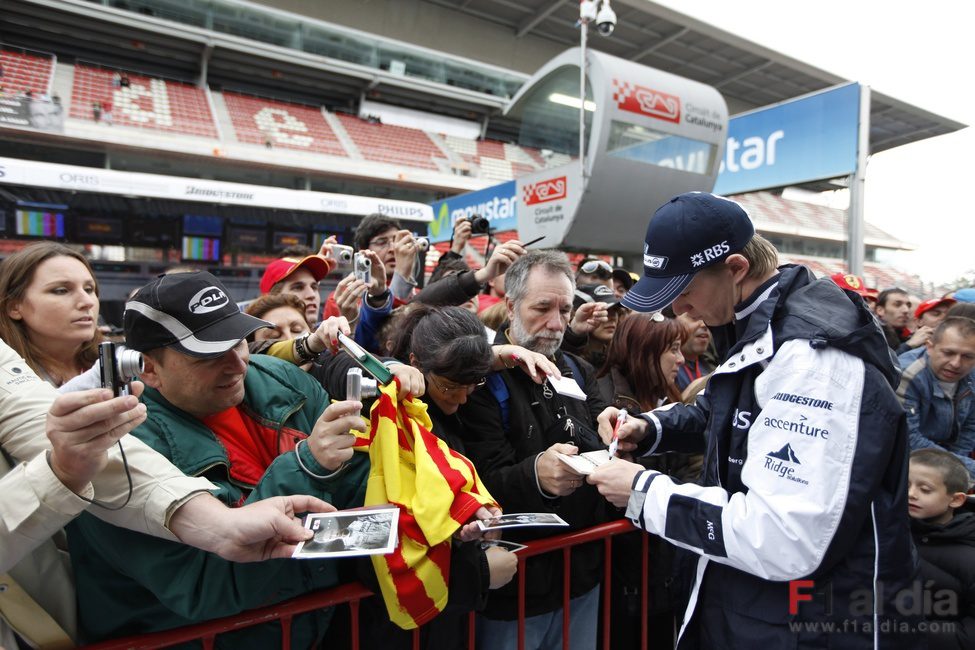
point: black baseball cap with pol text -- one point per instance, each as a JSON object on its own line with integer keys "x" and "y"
{"x": 690, "y": 232}
{"x": 191, "y": 312}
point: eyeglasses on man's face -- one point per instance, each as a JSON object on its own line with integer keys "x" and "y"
{"x": 453, "y": 388}
{"x": 381, "y": 243}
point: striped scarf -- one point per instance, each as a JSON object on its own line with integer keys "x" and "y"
{"x": 437, "y": 491}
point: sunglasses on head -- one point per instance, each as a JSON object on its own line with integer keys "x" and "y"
{"x": 592, "y": 266}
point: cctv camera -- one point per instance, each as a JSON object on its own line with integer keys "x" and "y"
{"x": 606, "y": 20}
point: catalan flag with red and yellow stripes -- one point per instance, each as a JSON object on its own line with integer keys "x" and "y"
{"x": 437, "y": 491}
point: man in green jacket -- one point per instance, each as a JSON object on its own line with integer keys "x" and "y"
{"x": 255, "y": 427}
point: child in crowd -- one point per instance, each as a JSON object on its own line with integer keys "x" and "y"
{"x": 943, "y": 526}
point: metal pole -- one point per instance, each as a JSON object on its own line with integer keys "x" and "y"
{"x": 854, "y": 215}
{"x": 583, "y": 29}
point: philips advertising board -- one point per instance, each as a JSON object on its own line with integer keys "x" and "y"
{"x": 496, "y": 203}
{"x": 804, "y": 139}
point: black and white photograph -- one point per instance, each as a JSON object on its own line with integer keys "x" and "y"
{"x": 350, "y": 532}
{"x": 519, "y": 519}
{"x": 512, "y": 547}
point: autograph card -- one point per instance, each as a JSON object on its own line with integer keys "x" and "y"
{"x": 566, "y": 386}
{"x": 369, "y": 531}
{"x": 513, "y": 547}
{"x": 586, "y": 462}
{"x": 521, "y": 519}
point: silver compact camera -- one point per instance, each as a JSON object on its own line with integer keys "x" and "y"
{"x": 118, "y": 366}
{"x": 358, "y": 387}
{"x": 422, "y": 244}
{"x": 362, "y": 268}
{"x": 342, "y": 255}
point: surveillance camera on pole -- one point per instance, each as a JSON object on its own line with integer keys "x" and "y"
{"x": 606, "y": 19}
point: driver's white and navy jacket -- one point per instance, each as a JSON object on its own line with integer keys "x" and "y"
{"x": 805, "y": 478}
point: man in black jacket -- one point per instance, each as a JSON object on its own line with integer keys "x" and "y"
{"x": 799, "y": 520}
{"x": 514, "y": 430}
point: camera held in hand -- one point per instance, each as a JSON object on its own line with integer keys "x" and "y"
{"x": 342, "y": 255}
{"x": 358, "y": 387}
{"x": 118, "y": 366}
{"x": 479, "y": 225}
{"x": 362, "y": 267}
{"x": 422, "y": 244}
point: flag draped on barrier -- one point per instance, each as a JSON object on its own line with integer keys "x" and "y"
{"x": 437, "y": 491}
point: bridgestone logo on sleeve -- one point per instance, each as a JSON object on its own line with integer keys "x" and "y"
{"x": 802, "y": 400}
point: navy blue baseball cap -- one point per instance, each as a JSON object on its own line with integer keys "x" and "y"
{"x": 690, "y": 232}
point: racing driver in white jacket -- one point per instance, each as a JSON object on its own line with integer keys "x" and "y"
{"x": 800, "y": 519}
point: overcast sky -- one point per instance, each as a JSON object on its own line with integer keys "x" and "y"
{"x": 921, "y": 53}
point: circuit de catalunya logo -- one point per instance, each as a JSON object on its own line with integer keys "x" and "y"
{"x": 544, "y": 191}
{"x": 646, "y": 101}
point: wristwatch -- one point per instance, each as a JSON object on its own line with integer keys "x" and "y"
{"x": 302, "y": 351}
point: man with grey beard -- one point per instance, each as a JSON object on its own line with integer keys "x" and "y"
{"x": 514, "y": 430}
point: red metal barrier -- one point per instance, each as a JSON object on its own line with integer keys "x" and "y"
{"x": 352, "y": 593}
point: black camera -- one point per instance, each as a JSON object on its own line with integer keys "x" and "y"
{"x": 479, "y": 225}
{"x": 118, "y": 366}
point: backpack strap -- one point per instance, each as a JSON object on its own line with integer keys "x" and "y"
{"x": 499, "y": 389}
{"x": 576, "y": 370}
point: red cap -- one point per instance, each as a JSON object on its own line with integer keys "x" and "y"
{"x": 279, "y": 269}
{"x": 851, "y": 283}
{"x": 931, "y": 304}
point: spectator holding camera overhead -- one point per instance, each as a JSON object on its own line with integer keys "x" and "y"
{"x": 458, "y": 288}
{"x": 397, "y": 250}
{"x": 49, "y": 310}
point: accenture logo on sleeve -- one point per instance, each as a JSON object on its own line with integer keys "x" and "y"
{"x": 208, "y": 300}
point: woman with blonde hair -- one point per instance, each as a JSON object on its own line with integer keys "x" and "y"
{"x": 49, "y": 310}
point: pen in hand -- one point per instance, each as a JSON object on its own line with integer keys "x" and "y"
{"x": 615, "y": 442}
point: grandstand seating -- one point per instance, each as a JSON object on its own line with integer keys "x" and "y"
{"x": 773, "y": 209}
{"x": 499, "y": 161}
{"x": 395, "y": 145}
{"x": 147, "y": 102}
{"x": 24, "y": 71}
{"x": 294, "y": 126}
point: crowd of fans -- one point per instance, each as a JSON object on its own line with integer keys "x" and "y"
{"x": 251, "y": 405}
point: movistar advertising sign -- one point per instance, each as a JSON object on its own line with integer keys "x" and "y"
{"x": 805, "y": 139}
{"x": 496, "y": 203}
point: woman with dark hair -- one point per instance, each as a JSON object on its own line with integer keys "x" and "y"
{"x": 447, "y": 344}
{"x": 49, "y": 310}
{"x": 640, "y": 372}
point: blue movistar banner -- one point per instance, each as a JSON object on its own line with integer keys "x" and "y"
{"x": 496, "y": 203}
{"x": 806, "y": 139}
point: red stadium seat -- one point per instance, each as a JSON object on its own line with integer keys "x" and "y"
{"x": 24, "y": 71}
{"x": 294, "y": 126}
{"x": 395, "y": 145}
{"x": 147, "y": 102}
